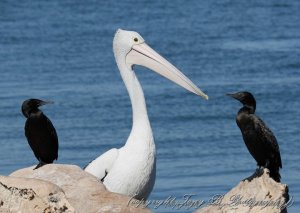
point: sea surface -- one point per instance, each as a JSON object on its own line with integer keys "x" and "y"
{"x": 62, "y": 51}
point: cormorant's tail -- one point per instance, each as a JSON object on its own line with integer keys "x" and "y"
{"x": 274, "y": 173}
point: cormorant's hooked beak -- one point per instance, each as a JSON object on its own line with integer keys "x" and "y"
{"x": 231, "y": 95}
{"x": 41, "y": 103}
{"x": 236, "y": 96}
{"x": 142, "y": 54}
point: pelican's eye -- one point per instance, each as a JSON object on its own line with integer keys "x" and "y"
{"x": 135, "y": 39}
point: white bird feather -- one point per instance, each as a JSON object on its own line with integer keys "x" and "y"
{"x": 131, "y": 169}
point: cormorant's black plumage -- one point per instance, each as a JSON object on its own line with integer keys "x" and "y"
{"x": 40, "y": 132}
{"x": 258, "y": 138}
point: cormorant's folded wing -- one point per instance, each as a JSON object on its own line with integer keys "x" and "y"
{"x": 269, "y": 140}
{"x": 52, "y": 137}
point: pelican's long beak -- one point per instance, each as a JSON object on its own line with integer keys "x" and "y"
{"x": 142, "y": 54}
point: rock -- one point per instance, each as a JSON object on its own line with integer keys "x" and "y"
{"x": 62, "y": 185}
{"x": 18, "y": 194}
{"x": 254, "y": 194}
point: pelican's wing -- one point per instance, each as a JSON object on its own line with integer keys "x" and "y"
{"x": 101, "y": 166}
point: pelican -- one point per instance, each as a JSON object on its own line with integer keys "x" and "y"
{"x": 130, "y": 170}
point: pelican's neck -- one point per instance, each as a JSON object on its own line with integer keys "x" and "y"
{"x": 139, "y": 110}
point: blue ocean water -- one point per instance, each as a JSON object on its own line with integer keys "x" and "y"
{"x": 62, "y": 51}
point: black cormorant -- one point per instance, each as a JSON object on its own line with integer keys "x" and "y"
{"x": 258, "y": 138}
{"x": 40, "y": 132}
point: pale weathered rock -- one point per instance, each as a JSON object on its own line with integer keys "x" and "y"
{"x": 82, "y": 192}
{"x": 23, "y": 194}
{"x": 257, "y": 194}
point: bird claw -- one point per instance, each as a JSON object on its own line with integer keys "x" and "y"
{"x": 39, "y": 165}
{"x": 258, "y": 172}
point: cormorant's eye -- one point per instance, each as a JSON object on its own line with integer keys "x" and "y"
{"x": 136, "y": 39}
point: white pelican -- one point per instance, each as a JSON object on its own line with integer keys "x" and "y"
{"x": 130, "y": 170}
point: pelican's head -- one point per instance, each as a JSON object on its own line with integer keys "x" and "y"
{"x": 130, "y": 48}
{"x": 125, "y": 40}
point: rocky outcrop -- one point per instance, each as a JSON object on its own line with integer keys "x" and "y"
{"x": 67, "y": 188}
{"x": 59, "y": 188}
{"x": 22, "y": 194}
{"x": 259, "y": 193}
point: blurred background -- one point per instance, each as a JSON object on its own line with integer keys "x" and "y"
{"x": 62, "y": 51}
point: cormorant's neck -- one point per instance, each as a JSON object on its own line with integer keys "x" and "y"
{"x": 29, "y": 111}
{"x": 247, "y": 109}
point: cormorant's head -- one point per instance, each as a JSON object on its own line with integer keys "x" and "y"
{"x": 246, "y": 98}
{"x": 32, "y": 105}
